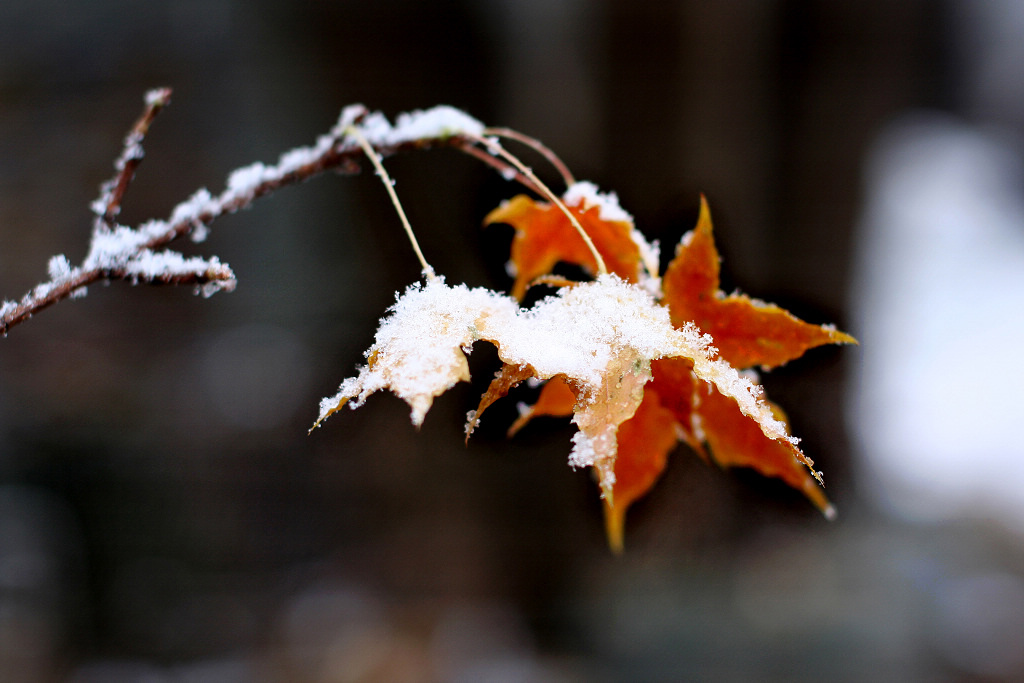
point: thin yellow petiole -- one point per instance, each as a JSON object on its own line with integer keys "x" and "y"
{"x": 496, "y": 148}
{"x": 539, "y": 146}
{"x": 374, "y": 158}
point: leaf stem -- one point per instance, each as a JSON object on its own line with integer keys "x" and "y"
{"x": 537, "y": 145}
{"x": 374, "y": 158}
{"x": 495, "y": 148}
{"x": 503, "y": 167}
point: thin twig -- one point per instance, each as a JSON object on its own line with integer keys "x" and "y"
{"x": 537, "y": 145}
{"x": 138, "y": 254}
{"x": 108, "y": 206}
{"x": 330, "y": 153}
{"x": 507, "y": 171}
{"x": 496, "y": 148}
{"x": 389, "y": 185}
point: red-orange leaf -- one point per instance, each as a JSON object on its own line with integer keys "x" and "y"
{"x": 556, "y": 399}
{"x": 675, "y": 405}
{"x": 747, "y": 332}
{"x": 644, "y": 441}
{"x": 737, "y": 441}
{"x": 505, "y": 379}
{"x": 544, "y": 236}
{"x": 675, "y": 386}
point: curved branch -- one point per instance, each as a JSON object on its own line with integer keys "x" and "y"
{"x": 118, "y": 252}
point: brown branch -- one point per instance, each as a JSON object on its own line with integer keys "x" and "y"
{"x": 108, "y": 206}
{"x": 540, "y": 147}
{"x": 117, "y": 252}
{"x": 507, "y": 171}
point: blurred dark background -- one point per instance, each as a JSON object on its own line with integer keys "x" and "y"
{"x": 164, "y": 515}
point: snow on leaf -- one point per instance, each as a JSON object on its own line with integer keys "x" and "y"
{"x": 677, "y": 404}
{"x": 600, "y": 337}
{"x": 420, "y": 349}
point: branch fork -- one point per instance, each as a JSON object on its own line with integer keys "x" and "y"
{"x": 139, "y": 254}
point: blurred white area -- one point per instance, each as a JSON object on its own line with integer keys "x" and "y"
{"x": 991, "y": 52}
{"x": 939, "y": 310}
{"x": 939, "y": 297}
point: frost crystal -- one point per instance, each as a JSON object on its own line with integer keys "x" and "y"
{"x": 157, "y": 96}
{"x": 164, "y": 265}
{"x": 190, "y": 209}
{"x": 244, "y": 180}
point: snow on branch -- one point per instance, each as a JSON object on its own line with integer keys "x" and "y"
{"x": 119, "y": 252}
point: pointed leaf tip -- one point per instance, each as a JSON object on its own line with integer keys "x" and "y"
{"x": 747, "y": 332}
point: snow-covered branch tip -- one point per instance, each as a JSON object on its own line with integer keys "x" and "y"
{"x": 138, "y": 255}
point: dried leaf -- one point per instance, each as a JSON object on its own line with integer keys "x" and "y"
{"x": 737, "y": 441}
{"x": 677, "y": 405}
{"x": 544, "y": 237}
{"x": 556, "y": 399}
{"x": 747, "y": 332}
{"x": 635, "y": 373}
{"x": 506, "y": 378}
{"x": 676, "y": 387}
{"x": 644, "y": 442}
{"x": 600, "y": 338}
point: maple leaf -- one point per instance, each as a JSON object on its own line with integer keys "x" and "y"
{"x": 544, "y": 237}
{"x": 420, "y": 348}
{"x": 678, "y": 404}
{"x": 747, "y": 332}
{"x": 599, "y": 340}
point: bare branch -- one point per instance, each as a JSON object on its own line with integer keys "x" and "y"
{"x": 539, "y": 146}
{"x": 507, "y": 170}
{"x": 108, "y": 205}
{"x": 119, "y": 252}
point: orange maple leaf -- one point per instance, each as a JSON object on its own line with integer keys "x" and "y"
{"x": 676, "y": 405}
{"x": 747, "y": 332}
{"x": 544, "y": 237}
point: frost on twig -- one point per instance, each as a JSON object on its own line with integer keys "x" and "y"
{"x": 138, "y": 255}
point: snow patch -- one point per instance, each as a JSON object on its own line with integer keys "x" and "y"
{"x": 189, "y": 210}
{"x": 59, "y": 268}
{"x": 441, "y": 121}
{"x": 602, "y": 335}
{"x": 608, "y": 202}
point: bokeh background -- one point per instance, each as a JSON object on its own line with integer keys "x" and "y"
{"x": 164, "y": 516}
